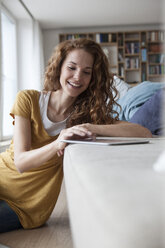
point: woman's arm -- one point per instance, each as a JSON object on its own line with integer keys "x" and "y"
{"x": 26, "y": 159}
{"x": 119, "y": 129}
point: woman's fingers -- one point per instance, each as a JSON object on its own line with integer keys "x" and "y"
{"x": 80, "y": 130}
{"x": 75, "y": 132}
{"x": 71, "y": 132}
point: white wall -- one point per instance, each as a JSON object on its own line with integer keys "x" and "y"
{"x": 51, "y": 36}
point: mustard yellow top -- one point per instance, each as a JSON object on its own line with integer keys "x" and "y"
{"x": 33, "y": 194}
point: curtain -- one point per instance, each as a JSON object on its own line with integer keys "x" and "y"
{"x": 30, "y": 55}
{"x": 38, "y": 57}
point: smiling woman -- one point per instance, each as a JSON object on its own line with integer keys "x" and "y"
{"x": 77, "y": 102}
{"x": 82, "y": 63}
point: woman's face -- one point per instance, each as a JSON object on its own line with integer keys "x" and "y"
{"x": 76, "y": 72}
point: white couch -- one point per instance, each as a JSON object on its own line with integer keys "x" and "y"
{"x": 115, "y": 197}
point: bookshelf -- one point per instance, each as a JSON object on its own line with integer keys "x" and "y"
{"x": 134, "y": 56}
{"x": 156, "y": 55}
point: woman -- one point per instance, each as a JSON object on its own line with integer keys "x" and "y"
{"x": 77, "y": 101}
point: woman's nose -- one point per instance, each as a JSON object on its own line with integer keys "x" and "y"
{"x": 77, "y": 75}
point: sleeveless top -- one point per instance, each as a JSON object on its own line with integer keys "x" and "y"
{"x": 32, "y": 194}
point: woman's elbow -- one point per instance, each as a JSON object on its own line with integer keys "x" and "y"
{"x": 18, "y": 165}
{"x": 148, "y": 134}
{"x": 145, "y": 132}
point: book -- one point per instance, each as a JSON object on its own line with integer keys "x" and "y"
{"x": 144, "y": 54}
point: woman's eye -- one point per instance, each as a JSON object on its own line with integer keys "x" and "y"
{"x": 71, "y": 68}
{"x": 87, "y": 72}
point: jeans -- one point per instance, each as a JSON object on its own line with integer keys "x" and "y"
{"x": 9, "y": 221}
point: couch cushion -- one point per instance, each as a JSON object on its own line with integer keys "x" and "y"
{"x": 150, "y": 113}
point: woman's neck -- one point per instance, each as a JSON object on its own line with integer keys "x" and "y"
{"x": 59, "y": 106}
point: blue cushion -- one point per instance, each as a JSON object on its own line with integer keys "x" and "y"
{"x": 150, "y": 113}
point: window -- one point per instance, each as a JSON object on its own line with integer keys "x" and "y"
{"x": 8, "y": 83}
{"x": 21, "y": 56}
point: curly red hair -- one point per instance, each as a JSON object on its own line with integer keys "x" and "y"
{"x": 94, "y": 105}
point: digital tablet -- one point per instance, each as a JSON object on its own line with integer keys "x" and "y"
{"x": 107, "y": 142}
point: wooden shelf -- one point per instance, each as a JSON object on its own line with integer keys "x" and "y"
{"x": 132, "y": 69}
{"x": 108, "y": 43}
{"x": 156, "y": 75}
{"x": 131, "y": 39}
{"x": 156, "y": 64}
{"x": 132, "y": 54}
{"x": 152, "y": 53}
{"x": 155, "y": 42}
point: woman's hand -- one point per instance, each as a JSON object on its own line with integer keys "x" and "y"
{"x": 76, "y": 132}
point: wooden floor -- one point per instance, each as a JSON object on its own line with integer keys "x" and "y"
{"x": 55, "y": 234}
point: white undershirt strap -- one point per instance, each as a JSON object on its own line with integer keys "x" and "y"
{"x": 52, "y": 128}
